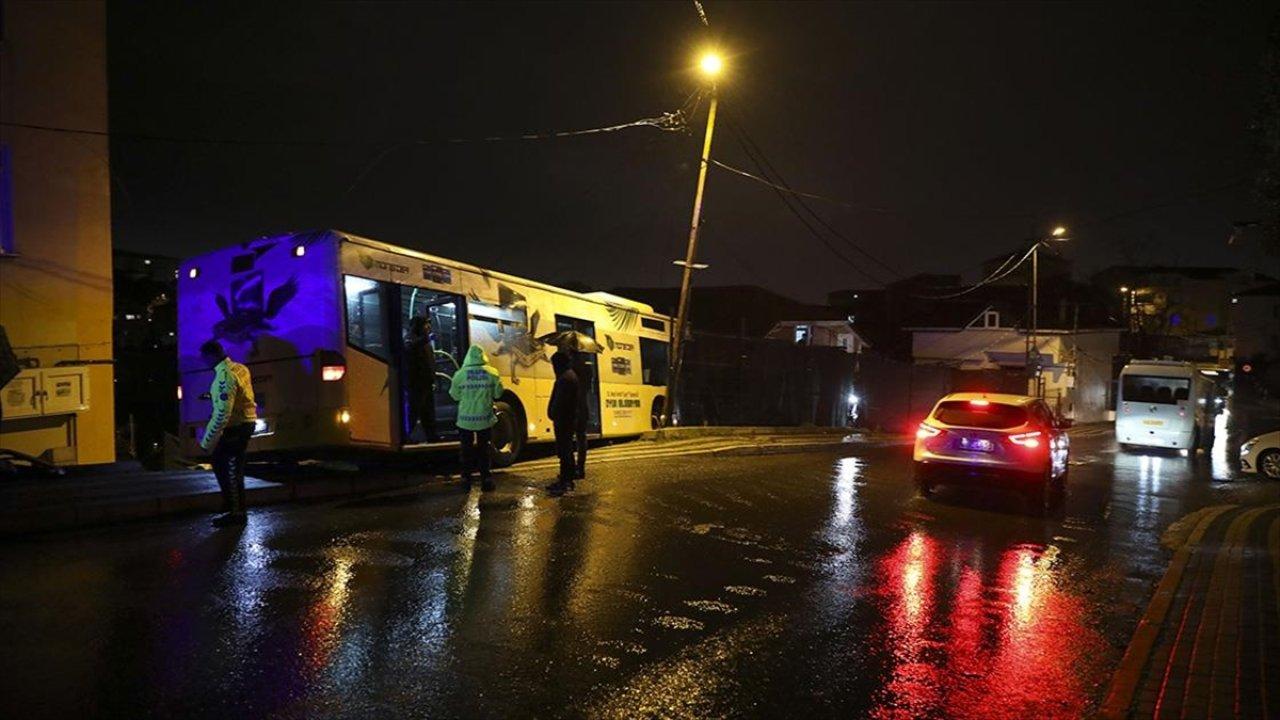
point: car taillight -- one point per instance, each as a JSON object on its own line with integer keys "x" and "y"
{"x": 332, "y": 373}
{"x": 927, "y": 431}
{"x": 1029, "y": 439}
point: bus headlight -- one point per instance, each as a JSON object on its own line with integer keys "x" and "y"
{"x": 344, "y": 417}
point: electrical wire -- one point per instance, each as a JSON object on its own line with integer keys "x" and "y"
{"x": 675, "y": 121}
{"x": 745, "y": 140}
{"x": 993, "y": 277}
{"x": 786, "y": 201}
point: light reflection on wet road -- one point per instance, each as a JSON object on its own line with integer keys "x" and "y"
{"x": 814, "y": 584}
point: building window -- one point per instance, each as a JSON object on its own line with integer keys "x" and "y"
{"x": 6, "y": 201}
{"x": 991, "y": 319}
{"x": 802, "y": 335}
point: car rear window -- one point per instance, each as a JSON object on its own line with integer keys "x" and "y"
{"x": 993, "y": 416}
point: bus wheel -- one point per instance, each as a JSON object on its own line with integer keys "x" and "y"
{"x": 655, "y": 412}
{"x": 508, "y": 434}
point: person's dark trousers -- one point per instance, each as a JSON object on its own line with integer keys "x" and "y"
{"x": 422, "y": 408}
{"x": 228, "y": 466}
{"x": 564, "y": 450}
{"x": 580, "y": 440}
{"x": 475, "y": 451}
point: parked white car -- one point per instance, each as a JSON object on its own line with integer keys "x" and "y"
{"x": 1262, "y": 455}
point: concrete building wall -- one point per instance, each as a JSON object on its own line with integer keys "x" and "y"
{"x": 55, "y": 287}
{"x": 1083, "y": 395}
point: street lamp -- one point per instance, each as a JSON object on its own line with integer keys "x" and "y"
{"x": 1059, "y": 234}
{"x": 711, "y": 64}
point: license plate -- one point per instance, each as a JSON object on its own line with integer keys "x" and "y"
{"x": 1157, "y": 423}
{"x": 977, "y": 444}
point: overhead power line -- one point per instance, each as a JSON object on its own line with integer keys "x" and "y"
{"x": 787, "y": 200}
{"x": 754, "y": 151}
{"x": 674, "y": 121}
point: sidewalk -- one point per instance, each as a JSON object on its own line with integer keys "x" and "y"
{"x": 82, "y": 500}
{"x": 1209, "y": 642}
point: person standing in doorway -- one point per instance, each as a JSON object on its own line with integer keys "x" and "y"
{"x": 229, "y": 429}
{"x": 475, "y": 387}
{"x": 583, "y": 371}
{"x": 420, "y": 365}
{"x": 563, "y": 411}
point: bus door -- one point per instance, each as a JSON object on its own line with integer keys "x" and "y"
{"x": 591, "y": 360}
{"x": 449, "y": 345}
{"x": 371, "y": 384}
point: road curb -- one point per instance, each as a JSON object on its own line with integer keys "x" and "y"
{"x": 72, "y": 516}
{"x": 1124, "y": 682}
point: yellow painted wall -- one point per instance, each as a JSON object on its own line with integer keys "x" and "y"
{"x": 55, "y": 292}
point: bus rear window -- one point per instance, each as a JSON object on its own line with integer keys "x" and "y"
{"x": 1155, "y": 389}
{"x": 993, "y": 416}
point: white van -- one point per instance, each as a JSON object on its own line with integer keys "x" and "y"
{"x": 1165, "y": 404}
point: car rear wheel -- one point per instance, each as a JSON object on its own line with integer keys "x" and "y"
{"x": 1269, "y": 464}
{"x": 923, "y": 484}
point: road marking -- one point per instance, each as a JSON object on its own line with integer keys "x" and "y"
{"x": 700, "y": 448}
{"x": 1125, "y": 682}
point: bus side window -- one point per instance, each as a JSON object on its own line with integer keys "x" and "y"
{"x": 653, "y": 361}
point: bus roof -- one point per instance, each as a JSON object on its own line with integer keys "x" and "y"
{"x": 597, "y": 297}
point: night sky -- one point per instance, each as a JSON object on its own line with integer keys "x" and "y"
{"x": 956, "y": 131}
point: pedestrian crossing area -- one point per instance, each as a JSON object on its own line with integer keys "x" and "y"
{"x": 725, "y": 445}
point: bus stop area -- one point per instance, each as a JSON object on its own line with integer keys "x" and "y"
{"x": 124, "y": 493}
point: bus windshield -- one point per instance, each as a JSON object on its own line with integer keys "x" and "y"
{"x": 1155, "y": 389}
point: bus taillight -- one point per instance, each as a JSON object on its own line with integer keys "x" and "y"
{"x": 332, "y": 373}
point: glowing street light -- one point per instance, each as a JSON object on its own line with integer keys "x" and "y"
{"x": 1059, "y": 231}
{"x": 711, "y": 64}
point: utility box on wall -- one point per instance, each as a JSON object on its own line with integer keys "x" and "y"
{"x": 42, "y": 412}
{"x": 51, "y": 391}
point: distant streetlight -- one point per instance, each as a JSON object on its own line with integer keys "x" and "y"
{"x": 1059, "y": 234}
{"x": 1124, "y": 288}
{"x": 711, "y": 65}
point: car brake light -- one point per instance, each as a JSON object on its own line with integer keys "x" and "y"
{"x": 927, "y": 431}
{"x": 332, "y": 373}
{"x": 980, "y": 403}
{"x": 1030, "y": 439}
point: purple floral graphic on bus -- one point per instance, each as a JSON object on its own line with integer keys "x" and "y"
{"x": 246, "y": 315}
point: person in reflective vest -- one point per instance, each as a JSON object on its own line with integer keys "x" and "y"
{"x": 475, "y": 386}
{"x": 229, "y": 429}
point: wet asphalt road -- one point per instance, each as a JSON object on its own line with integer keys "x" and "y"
{"x": 811, "y": 585}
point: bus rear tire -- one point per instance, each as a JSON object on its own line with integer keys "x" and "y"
{"x": 509, "y": 433}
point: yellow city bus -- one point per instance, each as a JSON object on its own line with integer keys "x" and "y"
{"x": 320, "y": 318}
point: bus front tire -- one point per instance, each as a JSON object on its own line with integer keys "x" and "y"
{"x": 508, "y": 433}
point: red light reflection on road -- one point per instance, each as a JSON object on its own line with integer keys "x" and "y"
{"x": 971, "y": 641}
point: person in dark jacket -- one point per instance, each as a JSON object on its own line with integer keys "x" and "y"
{"x": 583, "y": 371}
{"x": 420, "y": 366}
{"x": 563, "y": 411}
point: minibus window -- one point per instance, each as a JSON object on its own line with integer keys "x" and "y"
{"x": 1154, "y": 389}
